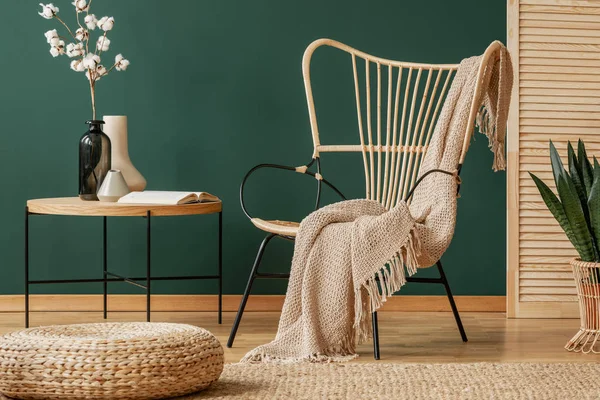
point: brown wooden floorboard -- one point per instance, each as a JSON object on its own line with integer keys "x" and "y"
{"x": 404, "y": 337}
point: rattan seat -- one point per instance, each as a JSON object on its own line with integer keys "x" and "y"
{"x": 284, "y": 228}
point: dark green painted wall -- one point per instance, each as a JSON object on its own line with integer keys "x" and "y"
{"x": 214, "y": 88}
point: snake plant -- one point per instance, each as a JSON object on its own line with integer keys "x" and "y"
{"x": 577, "y": 206}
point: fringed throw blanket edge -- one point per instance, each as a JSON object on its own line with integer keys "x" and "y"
{"x": 371, "y": 296}
{"x": 342, "y": 352}
{"x": 486, "y": 123}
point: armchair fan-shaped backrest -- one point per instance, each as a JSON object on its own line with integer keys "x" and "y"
{"x": 395, "y": 120}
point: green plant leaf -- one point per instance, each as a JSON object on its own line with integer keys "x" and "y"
{"x": 586, "y": 166}
{"x": 575, "y": 215}
{"x": 594, "y": 206}
{"x": 557, "y": 166}
{"x": 556, "y": 208}
{"x": 577, "y": 176}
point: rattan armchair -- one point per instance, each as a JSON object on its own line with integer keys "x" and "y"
{"x": 392, "y": 149}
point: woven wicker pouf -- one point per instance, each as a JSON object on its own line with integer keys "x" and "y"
{"x": 108, "y": 361}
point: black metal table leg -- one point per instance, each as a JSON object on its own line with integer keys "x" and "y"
{"x": 104, "y": 268}
{"x": 148, "y": 256}
{"x": 26, "y": 267}
{"x": 220, "y": 267}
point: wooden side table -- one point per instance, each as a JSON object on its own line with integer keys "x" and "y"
{"x": 73, "y": 206}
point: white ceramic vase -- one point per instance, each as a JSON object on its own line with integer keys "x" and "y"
{"x": 113, "y": 187}
{"x": 115, "y": 126}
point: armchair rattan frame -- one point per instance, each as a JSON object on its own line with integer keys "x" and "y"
{"x": 391, "y": 168}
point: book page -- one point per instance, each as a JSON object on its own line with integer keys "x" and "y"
{"x": 205, "y": 196}
{"x": 159, "y": 197}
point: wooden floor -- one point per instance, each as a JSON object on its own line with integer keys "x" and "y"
{"x": 404, "y": 337}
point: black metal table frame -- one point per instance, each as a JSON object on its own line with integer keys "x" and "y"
{"x": 111, "y": 277}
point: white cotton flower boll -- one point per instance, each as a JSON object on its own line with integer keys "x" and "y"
{"x": 58, "y": 49}
{"x": 75, "y": 50}
{"x": 51, "y": 35}
{"x": 96, "y": 74}
{"x": 77, "y": 66}
{"x": 90, "y": 61}
{"x": 82, "y": 34}
{"x": 121, "y": 63}
{"x": 80, "y": 5}
{"x": 48, "y": 10}
{"x": 52, "y": 38}
{"x": 103, "y": 43}
{"x": 100, "y": 71}
{"x": 106, "y": 23}
{"x": 70, "y": 50}
{"x": 101, "y": 21}
{"x": 91, "y": 21}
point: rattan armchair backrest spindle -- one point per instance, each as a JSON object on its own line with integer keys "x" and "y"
{"x": 409, "y": 99}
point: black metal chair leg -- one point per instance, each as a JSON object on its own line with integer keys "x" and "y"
{"x": 452, "y": 303}
{"x": 375, "y": 336}
{"x": 238, "y": 317}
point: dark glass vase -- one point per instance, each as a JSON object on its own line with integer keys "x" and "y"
{"x": 94, "y": 160}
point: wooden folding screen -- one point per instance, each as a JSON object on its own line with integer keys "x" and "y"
{"x": 555, "y": 45}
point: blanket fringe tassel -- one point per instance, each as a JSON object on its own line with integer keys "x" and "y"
{"x": 391, "y": 278}
{"x": 487, "y": 125}
{"x": 342, "y": 352}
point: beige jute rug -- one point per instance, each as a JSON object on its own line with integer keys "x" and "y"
{"x": 406, "y": 381}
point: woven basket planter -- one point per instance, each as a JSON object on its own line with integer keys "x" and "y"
{"x": 108, "y": 361}
{"x": 587, "y": 281}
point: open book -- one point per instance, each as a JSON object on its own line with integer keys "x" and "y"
{"x": 167, "y": 197}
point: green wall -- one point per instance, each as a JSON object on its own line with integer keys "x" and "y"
{"x": 214, "y": 88}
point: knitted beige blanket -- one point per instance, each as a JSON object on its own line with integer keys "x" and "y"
{"x": 343, "y": 249}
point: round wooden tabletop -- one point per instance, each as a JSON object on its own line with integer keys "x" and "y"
{"x": 76, "y": 206}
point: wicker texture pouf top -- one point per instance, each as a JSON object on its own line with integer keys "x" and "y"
{"x": 108, "y": 361}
